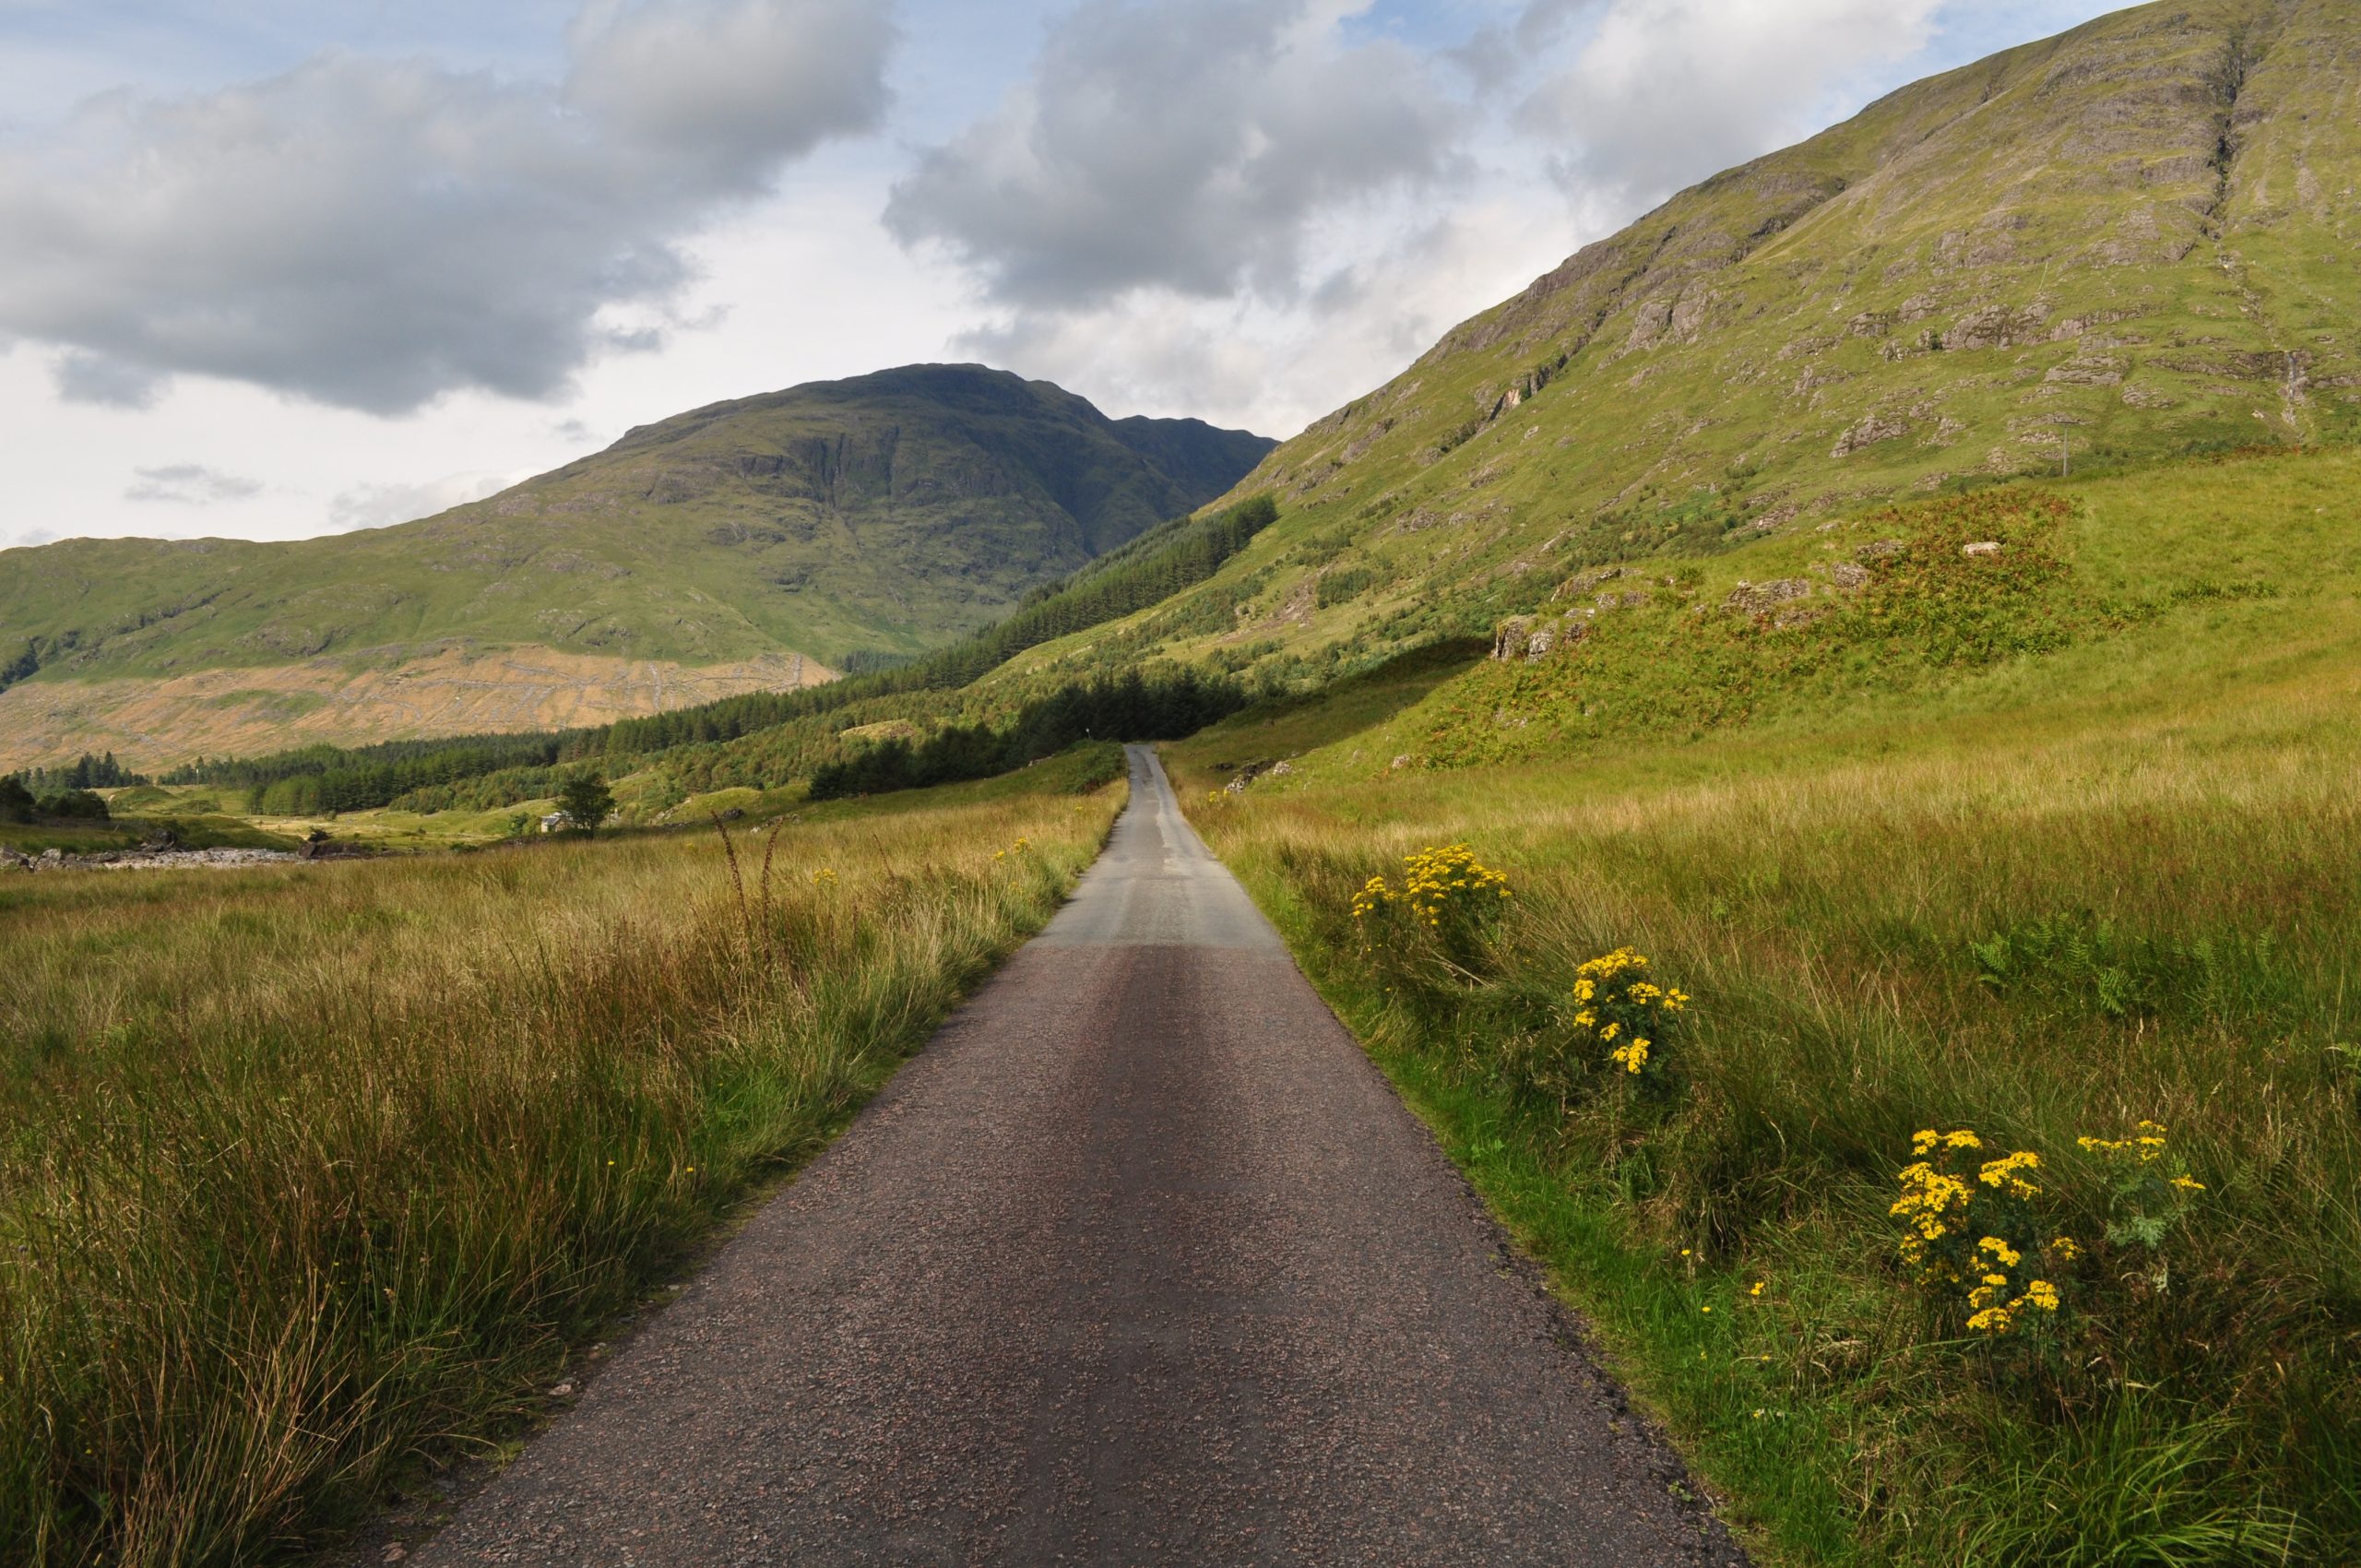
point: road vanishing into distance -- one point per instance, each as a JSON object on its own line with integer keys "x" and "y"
{"x": 1140, "y": 1261}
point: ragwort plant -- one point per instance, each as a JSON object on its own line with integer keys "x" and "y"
{"x": 1971, "y": 1238}
{"x": 2149, "y": 1193}
{"x": 1631, "y": 1018}
{"x": 1438, "y": 922}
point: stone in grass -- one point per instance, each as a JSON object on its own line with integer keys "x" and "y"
{"x": 1761, "y": 598}
{"x": 1987, "y": 547}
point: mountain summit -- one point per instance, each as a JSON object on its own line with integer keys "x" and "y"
{"x": 2125, "y": 244}
{"x": 759, "y": 542}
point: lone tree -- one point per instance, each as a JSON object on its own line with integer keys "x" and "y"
{"x": 586, "y": 801}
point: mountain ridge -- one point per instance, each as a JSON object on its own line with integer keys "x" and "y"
{"x": 885, "y": 514}
{"x": 2121, "y": 245}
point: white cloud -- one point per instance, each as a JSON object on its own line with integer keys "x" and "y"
{"x": 1665, "y": 92}
{"x": 727, "y": 87}
{"x": 1275, "y": 366}
{"x": 382, "y": 505}
{"x": 1183, "y": 145}
{"x": 374, "y": 233}
{"x": 189, "y": 484}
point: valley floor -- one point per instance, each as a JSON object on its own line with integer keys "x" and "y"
{"x": 1139, "y": 1263}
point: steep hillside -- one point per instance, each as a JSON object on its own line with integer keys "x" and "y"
{"x": 707, "y": 553}
{"x": 2130, "y": 242}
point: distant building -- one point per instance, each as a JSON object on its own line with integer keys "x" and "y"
{"x": 556, "y": 822}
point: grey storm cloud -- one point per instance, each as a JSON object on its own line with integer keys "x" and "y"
{"x": 1177, "y": 144}
{"x": 373, "y": 233}
{"x": 189, "y": 484}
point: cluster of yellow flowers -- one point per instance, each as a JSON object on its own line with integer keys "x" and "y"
{"x": 1951, "y": 1193}
{"x": 825, "y": 878}
{"x": 1992, "y": 1309}
{"x": 1436, "y": 882}
{"x": 2145, "y": 1146}
{"x": 1016, "y": 848}
{"x": 1615, "y": 1003}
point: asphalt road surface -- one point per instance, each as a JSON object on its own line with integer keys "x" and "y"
{"x": 1139, "y": 1262}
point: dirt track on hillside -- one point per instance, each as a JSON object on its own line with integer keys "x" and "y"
{"x": 1141, "y": 1261}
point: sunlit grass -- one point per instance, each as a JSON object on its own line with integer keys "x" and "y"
{"x": 310, "y": 1170}
{"x": 2171, "y": 861}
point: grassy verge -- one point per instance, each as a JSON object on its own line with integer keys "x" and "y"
{"x": 2042, "y": 921}
{"x": 312, "y": 1169}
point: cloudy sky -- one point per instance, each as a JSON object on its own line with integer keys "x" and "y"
{"x": 271, "y": 268}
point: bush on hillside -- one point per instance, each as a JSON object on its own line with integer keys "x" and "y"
{"x": 74, "y": 806}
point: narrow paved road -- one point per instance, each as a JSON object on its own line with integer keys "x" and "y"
{"x": 1139, "y": 1262}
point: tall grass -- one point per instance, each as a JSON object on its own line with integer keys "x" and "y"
{"x": 2036, "y": 926}
{"x": 311, "y": 1170}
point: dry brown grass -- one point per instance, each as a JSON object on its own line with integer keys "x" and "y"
{"x": 311, "y": 1170}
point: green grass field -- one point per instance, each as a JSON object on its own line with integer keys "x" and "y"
{"x": 316, "y": 1173}
{"x": 2042, "y": 892}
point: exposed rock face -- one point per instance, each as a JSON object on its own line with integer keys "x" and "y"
{"x": 1530, "y": 637}
{"x": 1997, "y": 326}
{"x": 1761, "y": 598}
{"x": 1870, "y": 432}
{"x": 1582, "y": 583}
{"x": 1510, "y": 637}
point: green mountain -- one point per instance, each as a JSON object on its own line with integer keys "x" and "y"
{"x": 2130, "y": 242}
{"x": 749, "y": 545}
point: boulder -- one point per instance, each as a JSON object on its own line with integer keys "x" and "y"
{"x": 1761, "y": 598}
{"x": 1849, "y": 578}
{"x": 1987, "y": 547}
{"x": 1582, "y": 583}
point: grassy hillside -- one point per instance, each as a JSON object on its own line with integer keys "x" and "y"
{"x": 267, "y": 1235}
{"x": 762, "y": 541}
{"x": 2039, "y": 846}
{"x": 2111, "y": 249}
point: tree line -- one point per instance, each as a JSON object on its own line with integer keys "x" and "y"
{"x": 1153, "y": 568}
{"x": 19, "y": 804}
{"x": 311, "y": 781}
{"x": 85, "y": 772}
{"x": 1164, "y": 706}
